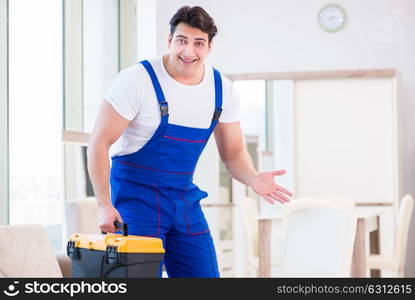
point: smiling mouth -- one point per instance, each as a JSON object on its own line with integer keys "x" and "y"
{"x": 186, "y": 61}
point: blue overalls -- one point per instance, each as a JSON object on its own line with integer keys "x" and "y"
{"x": 154, "y": 193}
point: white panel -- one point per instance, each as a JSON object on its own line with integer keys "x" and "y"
{"x": 73, "y": 60}
{"x": 345, "y": 141}
{"x": 146, "y": 29}
{"x": 128, "y": 33}
{"x": 252, "y": 102}
{"x": 283, "y": 131}
{"x": 100, "y": 42}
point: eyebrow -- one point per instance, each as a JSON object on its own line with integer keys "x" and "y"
{"x": 185, "y": 37}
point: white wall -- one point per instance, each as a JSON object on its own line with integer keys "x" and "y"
{"x": 277, "y": 36}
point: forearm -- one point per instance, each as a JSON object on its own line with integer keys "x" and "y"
{"x": 241, "y": 167}
{"x": 99, "y": 168}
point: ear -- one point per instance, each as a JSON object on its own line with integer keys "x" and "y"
{"x": 210, "y": 45}
{"x": 169, "y": 40}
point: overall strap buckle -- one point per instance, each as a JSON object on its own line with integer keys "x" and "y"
{"x": 216, "y": 114}
{"x": 164, "y": 108}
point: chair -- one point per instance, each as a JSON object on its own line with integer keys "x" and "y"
{"x": 250, "y": 212}
{"x": 25, "y": 251}
{"x": 318, "y": 239}
{"x": 82, "y": 215}
{"x": 396, "y": 262}
{"x": 344, "y": 202}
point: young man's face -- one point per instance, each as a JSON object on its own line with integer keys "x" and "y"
{"x": 189, "y": 47}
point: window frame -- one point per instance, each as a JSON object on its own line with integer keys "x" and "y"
{"x": 4, "y": 112}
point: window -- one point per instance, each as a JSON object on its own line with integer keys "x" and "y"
{"x": 252, "y": 95}
{"x": 35, "y": 115}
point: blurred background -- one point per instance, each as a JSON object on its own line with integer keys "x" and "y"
{"x": 326, "y": 93}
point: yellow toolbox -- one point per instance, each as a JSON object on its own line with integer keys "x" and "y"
{"x": 115, "y": 255}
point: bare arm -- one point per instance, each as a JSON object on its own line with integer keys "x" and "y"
{"x": 108, "y": 128}
{"x": 235, "y": 156}
{"x": 233, "y": 152}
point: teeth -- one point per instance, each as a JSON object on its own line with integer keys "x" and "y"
{"x": 185, "y": 60}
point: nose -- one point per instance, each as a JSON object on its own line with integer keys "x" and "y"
{"x": 189, "y": 50}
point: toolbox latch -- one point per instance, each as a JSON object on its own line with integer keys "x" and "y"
{"x": 71, "y": 250}
{"x": 112, "y": 254}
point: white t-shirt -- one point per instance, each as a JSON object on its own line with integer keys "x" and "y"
{"x": 132, "y": 95}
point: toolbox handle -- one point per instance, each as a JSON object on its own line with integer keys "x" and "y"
{"x": 122, "y": 226}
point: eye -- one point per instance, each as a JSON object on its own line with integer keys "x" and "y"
{"x": 199, "y": 44}
{"x": 181, "y": 41}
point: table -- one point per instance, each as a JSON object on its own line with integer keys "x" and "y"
{"x": 368, "y": 222}
{"x": 264, "y": 240}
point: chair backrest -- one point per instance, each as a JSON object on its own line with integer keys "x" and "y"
{"x": 318, "y": 239}
{"x": 402, "y": 228}
{"x": 341, "y": 201}
{"x": 81, "y": 216}
{"x": 25, "y": 251}
{"x": 249, "y": 210}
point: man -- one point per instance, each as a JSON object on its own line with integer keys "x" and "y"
{"x": 159, "y": 115}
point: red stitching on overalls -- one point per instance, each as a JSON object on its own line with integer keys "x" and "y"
{"x": 158, "y": 208}
{"x": 152, "y": 169}
{"x": 187, "y": 220}
{"x": 184, "y": 140}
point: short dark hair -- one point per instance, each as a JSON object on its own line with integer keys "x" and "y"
{"x": 195, "y": 17}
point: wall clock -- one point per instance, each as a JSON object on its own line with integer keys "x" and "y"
{"x": 332, "y": 17}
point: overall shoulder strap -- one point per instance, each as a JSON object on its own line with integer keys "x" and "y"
{"x": 218, "y": 95}
{"x": 164, "y": 108}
